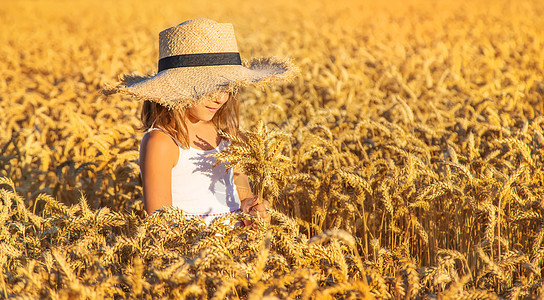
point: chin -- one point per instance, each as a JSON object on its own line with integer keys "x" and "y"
{"x": 208, "y": 117}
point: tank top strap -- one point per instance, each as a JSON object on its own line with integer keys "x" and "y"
{"x": 164, "y": 131}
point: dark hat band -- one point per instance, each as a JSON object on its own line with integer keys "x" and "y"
{"x": 199, "y": 60}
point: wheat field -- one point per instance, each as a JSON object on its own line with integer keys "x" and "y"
{"x": 404, "y": 162}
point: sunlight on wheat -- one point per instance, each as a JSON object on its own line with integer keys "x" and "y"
{"x": 404, "y": 162}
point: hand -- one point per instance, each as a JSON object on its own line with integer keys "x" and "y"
{"x": 254, "y": 207}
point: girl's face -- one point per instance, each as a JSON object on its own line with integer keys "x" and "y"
{"x": 207, "y": 108}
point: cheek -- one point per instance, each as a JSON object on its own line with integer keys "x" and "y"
{"x": 225, "y": 98}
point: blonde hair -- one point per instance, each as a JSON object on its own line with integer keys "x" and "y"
{"x": 155, "y": 115}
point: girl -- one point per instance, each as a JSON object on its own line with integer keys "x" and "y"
{"x": 185, "y": 104}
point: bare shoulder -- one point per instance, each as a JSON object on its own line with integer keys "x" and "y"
{"x": 159, "y": 146}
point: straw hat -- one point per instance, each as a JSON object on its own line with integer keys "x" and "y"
{"x": 197, "y": 58}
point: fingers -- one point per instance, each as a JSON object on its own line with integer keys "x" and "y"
{"x": 260, "y": 210}
{"x": 248, "y": 203}
{"x": 256, "y": 208}
{"x": 254, "y": 204}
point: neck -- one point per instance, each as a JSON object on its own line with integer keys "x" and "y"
{"x": 196, "y": 123}
{"x": 202, "y": 134}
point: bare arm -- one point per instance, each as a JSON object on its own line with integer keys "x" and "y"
{"x": 158, "y": 155}
{"x": 242, "y": 185}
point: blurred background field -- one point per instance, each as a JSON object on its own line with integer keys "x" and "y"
{"x": 415, "y": 127}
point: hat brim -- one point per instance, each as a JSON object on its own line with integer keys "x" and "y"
{"x": 183, "y": 87}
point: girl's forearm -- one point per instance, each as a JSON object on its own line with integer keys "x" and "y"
{"x": 242, "y": 186}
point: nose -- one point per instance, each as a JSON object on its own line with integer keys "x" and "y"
{"x": 221, "y": 98}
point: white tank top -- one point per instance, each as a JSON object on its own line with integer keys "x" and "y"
{"x": 198, "y": 188}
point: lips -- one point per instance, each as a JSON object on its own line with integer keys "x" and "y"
{"x": 212, "y": 109}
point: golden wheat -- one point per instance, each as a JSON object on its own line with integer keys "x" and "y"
{"x": 404, "y": 162}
